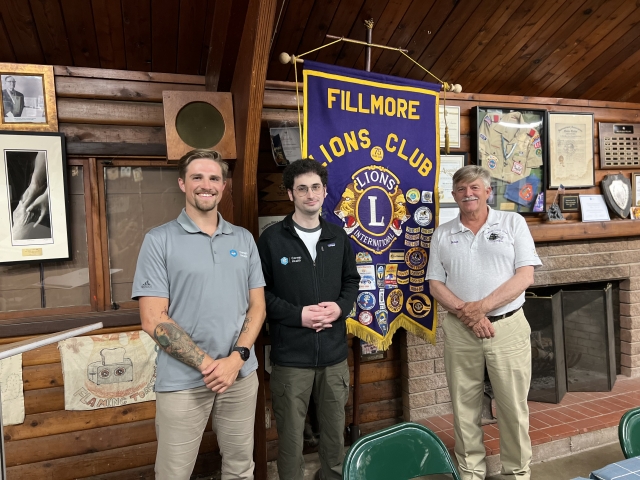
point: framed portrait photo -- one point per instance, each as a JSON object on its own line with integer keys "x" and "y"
{"x": 33, "y": 198}
{"x": 449, "y": 164}
{"x": 512, "y": 145}
{"x": 28, "y": 98}
{"x": 571, "y": 150}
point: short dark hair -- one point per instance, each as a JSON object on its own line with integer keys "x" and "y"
{"x": 302, "y": 167}
{"x": 197, "y": 154}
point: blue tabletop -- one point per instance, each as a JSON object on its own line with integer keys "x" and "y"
{"x": 628, "y": 469}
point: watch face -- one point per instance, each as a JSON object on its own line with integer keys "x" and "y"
{"x": 244, "y": 352}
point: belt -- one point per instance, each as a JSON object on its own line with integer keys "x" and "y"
{"x": 495, "y": 318}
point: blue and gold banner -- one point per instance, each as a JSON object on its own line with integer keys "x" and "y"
{"x": 378, "y": 137}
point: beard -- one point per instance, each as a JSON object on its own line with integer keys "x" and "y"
{"x": 206, "y": 206}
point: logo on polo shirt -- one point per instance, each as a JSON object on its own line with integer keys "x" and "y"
{"x": 284, "y": 260}
{"x": 233, "y": 253}
{"x": 146, "y": 284}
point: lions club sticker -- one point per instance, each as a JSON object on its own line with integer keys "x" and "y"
{"x": 416, "y": 258}
{"x": 423, "y": 216}
{"x": 373, "y": 208}
{"x": 418, "y": 305}
{"x": 394, "y": 300}
{"x": 365, "y": 317}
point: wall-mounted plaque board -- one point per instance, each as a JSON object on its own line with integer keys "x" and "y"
{"x": 199, "y": 120}
{"x": 619, "y": 145}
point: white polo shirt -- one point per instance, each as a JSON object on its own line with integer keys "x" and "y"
{"x": 473, "y": 266}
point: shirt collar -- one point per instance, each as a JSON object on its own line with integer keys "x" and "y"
{"x": 492, "y": 219}
{"x": 190, "y": 227}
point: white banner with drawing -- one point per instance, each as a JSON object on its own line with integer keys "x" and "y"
{"x": 111, "y": 370}
{"x": 12, "y": 393}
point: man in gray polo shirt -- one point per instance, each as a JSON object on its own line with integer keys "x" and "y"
{"x": 200, "y": 285}
{"x": 479, "y": 267}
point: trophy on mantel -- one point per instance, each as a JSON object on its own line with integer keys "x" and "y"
{"x": 617, "y": 193}
{"x": 554, "y": 213}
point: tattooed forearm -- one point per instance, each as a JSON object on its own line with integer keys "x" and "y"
{"x": 174, "y": 340}
{"x": 244, "y": 329}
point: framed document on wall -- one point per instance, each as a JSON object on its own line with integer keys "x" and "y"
{"x": 512, "y": 145}
{"x": 449, "y": 164}
{"x": 571, "y": 150}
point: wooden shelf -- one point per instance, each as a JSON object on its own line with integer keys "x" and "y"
{"x": 577, "y": 231}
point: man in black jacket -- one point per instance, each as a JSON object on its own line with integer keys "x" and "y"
{"x": 311, "y": 286}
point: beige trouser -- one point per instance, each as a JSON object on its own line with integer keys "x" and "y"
{"x": 181, "y": 418}
{"x": 508, "y": 359}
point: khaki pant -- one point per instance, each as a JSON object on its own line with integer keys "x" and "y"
{"x": 291, "y": 389}
{"x": 181, "y": 418}
{"x": 508, "y": 360}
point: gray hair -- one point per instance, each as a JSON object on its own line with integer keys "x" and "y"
{"x": 471, "y": 173}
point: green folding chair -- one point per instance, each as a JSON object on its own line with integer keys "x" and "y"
{"x": 629, "y": 433}
{"x": 399, "y": 452}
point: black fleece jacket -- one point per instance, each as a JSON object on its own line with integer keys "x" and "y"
{"x": 294, "y": 281}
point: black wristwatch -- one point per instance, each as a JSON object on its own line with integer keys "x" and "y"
{"x": 243, "y": 351}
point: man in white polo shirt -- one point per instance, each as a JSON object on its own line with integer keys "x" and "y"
{"x": 200, "y": 286}
{"x": 479, "y": 267}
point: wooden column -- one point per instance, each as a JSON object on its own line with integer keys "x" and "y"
{"x": 247, "y": 87}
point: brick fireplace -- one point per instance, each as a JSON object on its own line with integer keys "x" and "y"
{"x": 424, "y": 384}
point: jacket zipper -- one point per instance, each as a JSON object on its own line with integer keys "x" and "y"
{"x": 315, "y": 286}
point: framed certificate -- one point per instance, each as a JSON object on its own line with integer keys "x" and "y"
{"x": 452, "y": 115}
{"x": 449, "y": 164}
{"x": 511, "y": 143}
{"x": 571, "y": 150}
{"x": 635, "y": 182}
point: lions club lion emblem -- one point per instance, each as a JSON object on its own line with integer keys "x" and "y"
{"x": 373, "y": 208}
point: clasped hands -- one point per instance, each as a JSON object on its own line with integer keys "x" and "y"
{"x": 320, "y": 316}
{"x": 220, "y": 374}
{"x": 473, "y": 315}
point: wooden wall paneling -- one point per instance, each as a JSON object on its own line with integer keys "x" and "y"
{"x": 126, "y": 75}
{"x": 165, "y": 18}
{"x": 99, "y": 89}
{"x": 538, "y": 39}
{"x": 206, "y": 36}
{"x": 423, "y": 37}
{"x": 588, "y": 29}
{"x": 78, "y": 19}
{"x": 587, "y": 50}
{"x": 107, "y": 19}
{"x": 594, "y": 69}
{"x": 382, "y": 61}
{"x": 42, "y": 376}
{"x": 313, "y": 36}
{"x": 103, "y": 234}
{"x": 43, "y": 400}
{"x": 110, "y": 113}
{"x": 385, "y": 26}
{"x": 294, "y": 18}
{"x": 487, "y": 34}
{"x": 231, "y": 53}
{"x": 21, "y": 31}
{"x": 6, "y": 50}
{"x": 193, "y": 15}
{"x": 452, "y": 38}
{"x": 87, "y": 139}
{"x": 47, "y": 16}
{"x": 137, "y": 34}
{"x": 510, "y": 43}
{"x": 217, "y": 43}
{"x": 372, "y": 9}
{"x": 95, "y": 235}
{"x": 346, "y": 15}
{"x": 91, "y": 247}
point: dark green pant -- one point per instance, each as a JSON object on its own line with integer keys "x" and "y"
{"x": 291, "y": 389}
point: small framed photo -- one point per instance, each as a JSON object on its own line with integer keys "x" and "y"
{"x": 28, "y": 98}
{"x": 635, "y": 187}
{"x": 33, "y": 198}
{"x": 571, "y": 150}
{"x": 511, "y": 144}
{"x": 450, "y": 118}
{"x": 449, "y": 164}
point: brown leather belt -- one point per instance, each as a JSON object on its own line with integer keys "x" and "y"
{"x": 495, "y": 318}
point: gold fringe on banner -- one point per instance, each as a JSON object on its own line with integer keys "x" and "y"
{"x": 383, "y": 343}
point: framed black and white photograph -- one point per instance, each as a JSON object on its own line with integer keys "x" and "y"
{"x": 449, "y": 164}
{"x": 512, "y": 145}
{"x": 28, "y": 98}
{"x": 33, "y": 197}
{"x": 571, "y": 150}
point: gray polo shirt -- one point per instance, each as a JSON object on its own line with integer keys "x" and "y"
{"x": 207, "y": 281}
{"x": 473, "y": 266}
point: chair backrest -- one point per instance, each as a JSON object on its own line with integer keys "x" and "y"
{"x": 400, "y": 452}
{"x": 629, "y": 433}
